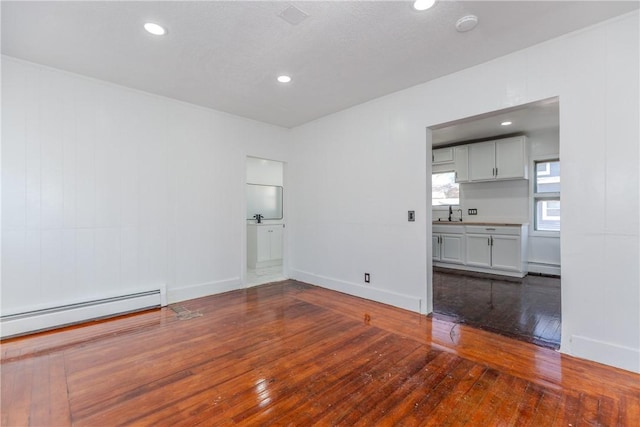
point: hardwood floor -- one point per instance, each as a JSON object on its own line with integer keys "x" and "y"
{"x": 289, "y": 353}
{"x": 527, "y": 309}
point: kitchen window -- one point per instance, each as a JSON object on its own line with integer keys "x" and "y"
{"x": 546, "y": 197}
{"x": 444, "y": 189}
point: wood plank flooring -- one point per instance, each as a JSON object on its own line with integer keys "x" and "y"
{"x": 527, "y": 309}
{"x": 289, "y": 353}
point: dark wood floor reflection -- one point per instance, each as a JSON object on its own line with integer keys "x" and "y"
{"x": 292, "y": 354}
{"x": 527, "y": 309}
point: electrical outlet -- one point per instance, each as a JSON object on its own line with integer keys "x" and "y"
{"x": 472, "y": 211}
{"x": 411, "y": 216}
{"x": 367, "y": 278}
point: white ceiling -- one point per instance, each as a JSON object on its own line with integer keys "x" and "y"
{"x": 525, "y": 119}
{"x": 226, "y": 55}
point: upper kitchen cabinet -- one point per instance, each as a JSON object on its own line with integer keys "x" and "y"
{"x": 497, "y": 160}
{"x": 442, "y": 156}
{"x": 461, "y": 163}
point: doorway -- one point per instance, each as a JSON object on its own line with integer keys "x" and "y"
{"x": 265, "y": 220}
{"x": 496, "y": 226}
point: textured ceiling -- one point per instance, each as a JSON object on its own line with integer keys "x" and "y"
{"x": 226, "y": 55}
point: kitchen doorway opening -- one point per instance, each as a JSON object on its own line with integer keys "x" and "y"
{"x": 496, "y": 222}
{"x": 265, "y": 221}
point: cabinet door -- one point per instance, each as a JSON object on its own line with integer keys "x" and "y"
{"x": 276, "y": 242}
{"x": 452, "y": 248}
{"x": 263, "y": 243}
{"x": 479, "y": 250}
{"x": 442, "y": 156}
{"x": 506, "y": 253}
{"x": 435, "y": 246}
{"x": 510, "y": 158}
{"x": 461, "y": 163}
{"x": 482, "y": 161}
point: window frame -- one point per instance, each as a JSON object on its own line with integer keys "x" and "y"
{"x": 548, "y": 196}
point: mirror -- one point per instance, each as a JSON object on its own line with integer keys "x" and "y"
{"x": 265, "y": 200}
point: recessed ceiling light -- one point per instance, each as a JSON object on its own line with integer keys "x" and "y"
{"x": 505, "y": 123}
{"x": 466, "y": 23}
{"x": 423, "y": 4}
{"x": 155, "y": 29}
{"x": 284, "y": 79}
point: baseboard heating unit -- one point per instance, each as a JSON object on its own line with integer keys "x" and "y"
{"x": 39, "y": 320}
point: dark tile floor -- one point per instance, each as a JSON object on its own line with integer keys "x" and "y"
{"x": 527, "y": 309}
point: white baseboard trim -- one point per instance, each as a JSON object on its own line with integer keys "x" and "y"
{"x": 56, "y": 317}
{"x": 203, "y": 290}
{"x": 605, "y": 352}
{"x": 543, "y": 268}
{"x": 406, "y": 302}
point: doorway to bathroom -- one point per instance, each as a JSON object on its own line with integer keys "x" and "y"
{"x": 265, "y": 220}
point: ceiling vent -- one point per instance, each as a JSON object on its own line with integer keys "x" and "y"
{"x": 293, "y": 15}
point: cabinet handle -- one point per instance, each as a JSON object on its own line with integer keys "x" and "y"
{"x": 489, "y": 241}
{"x": 455, "y": 176}
{"x": 490, "y": 229}
{"x": 496, "y": 172}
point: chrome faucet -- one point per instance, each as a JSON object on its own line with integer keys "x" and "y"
{"x": 460, "y": 210}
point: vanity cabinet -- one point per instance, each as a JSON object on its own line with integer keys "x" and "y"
{"x": 264, "y": 245}
{"x": 498, "y": 160}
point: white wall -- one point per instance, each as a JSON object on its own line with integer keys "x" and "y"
{"x": 356, "y": 173}
{"x": 108, "y": 191}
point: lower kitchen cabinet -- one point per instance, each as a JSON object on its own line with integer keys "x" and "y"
{"x": 448, "y": 248}
{"x": 482, "y": 248}
{"x": 479, "y": 250}
{"x": 494, "y": 251}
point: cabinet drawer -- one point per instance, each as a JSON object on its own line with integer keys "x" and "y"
{"x": 492, "y": 229}
{"x": 448, "y": 229}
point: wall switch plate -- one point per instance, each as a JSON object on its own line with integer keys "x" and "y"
{"x": 367, "y": 278}
{"x": 472, "y": 211}
{"x": 411, "y": 216}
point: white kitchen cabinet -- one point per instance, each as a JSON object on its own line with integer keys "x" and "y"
{"x": 506, "y": 252}
{"x": 442, "y": 156}
{"x": 497, "y": 249}
{"x": 482, "y": 161}
{"x": 461, "y": 163}
{"x": 264, "y": 245}
{"x": 497, "y": 160}
{"x": 435, "y": 247}
{"x": 448, "y": 245}
{"x": 479, "y": 250}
